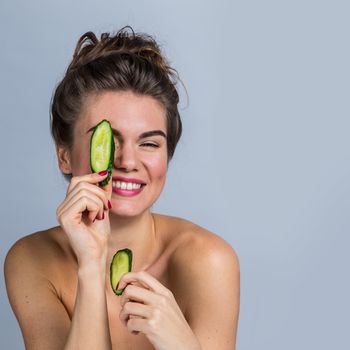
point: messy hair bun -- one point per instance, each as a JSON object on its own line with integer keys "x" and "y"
{"x": 126, "y": 61}
{"x": 89, "y": 48}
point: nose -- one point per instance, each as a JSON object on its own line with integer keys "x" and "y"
{"x": 125, "y": 158}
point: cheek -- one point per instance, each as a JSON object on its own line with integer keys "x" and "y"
{"x": 81, "y": 159}
{"x": 158, "y": 166}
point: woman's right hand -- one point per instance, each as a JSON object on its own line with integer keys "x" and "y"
{"x": 83, "y": 215}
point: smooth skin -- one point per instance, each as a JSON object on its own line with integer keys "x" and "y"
{"x": 183, "y": 291}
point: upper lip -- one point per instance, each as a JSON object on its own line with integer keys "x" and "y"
{"x": 128, "y": 179}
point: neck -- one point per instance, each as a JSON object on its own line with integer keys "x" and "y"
{"x": 136, "y": 233}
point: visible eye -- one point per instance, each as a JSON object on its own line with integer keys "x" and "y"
{"x": 150, "y": 144}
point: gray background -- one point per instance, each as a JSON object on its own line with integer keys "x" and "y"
{"x": 264, "y": 159}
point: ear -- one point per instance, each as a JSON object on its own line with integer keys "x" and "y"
{"x": 63, "y": 157}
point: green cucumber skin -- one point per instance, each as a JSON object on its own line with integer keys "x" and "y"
{"x": 111, "y": 160}
{"x": 129, "y": 253}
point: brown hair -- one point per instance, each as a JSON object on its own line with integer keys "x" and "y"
{"x": 126, "y": 61}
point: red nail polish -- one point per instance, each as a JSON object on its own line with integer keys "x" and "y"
{"x": 109, "y": 205}
{"x": 103, "y": 172}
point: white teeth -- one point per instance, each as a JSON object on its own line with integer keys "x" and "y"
{"x": 126, "y": 185}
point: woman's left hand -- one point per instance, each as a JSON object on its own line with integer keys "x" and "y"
{"x": 150, "y": 308}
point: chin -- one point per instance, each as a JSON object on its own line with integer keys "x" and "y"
{"x": 127, "y": 211}
{"x": 132, "y": 206}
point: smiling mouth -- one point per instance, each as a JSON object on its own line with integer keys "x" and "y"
{"x": 128, "y": 186}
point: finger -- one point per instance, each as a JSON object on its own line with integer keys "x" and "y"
{"x": 84, "y": 193}
{"x": 93, "y": 178}
{"x": 134, "y": 309}
{"x": 84, "y": 188}
{"x": 74, "y": 210}
{"x": 136, "y": 325}
{"x": 146, "y": 279}
{"x": 108, "y": 189}
{"x": 139, "y": 294}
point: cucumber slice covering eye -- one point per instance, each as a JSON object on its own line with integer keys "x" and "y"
{"x": 102, "y": 149}
{"x": 121, "y": 264}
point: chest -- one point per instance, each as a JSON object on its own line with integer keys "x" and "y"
{"x": 121, "y": 338}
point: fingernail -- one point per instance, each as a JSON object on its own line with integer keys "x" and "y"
{"x": 109, "y": 205}
{"x": 103, "y": 172}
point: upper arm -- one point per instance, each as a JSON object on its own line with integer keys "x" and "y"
{"x": 42, "y": 317}
{"x": 213, "y": 299}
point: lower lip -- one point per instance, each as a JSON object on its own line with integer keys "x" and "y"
{"x": 127, "y": 193}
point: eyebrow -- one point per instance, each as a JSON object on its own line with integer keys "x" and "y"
{"x": 142, "y": 136}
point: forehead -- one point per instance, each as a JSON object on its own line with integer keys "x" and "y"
{"x": 126, "y": 111}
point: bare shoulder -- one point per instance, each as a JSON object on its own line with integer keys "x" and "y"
{"x": 198, "y": 254}
{"x": 39, "y": 251}
{"x": 33, "y": 256}
{"x": 31, "y": 267}
{"x": 39, "y": 257}
{"x": 195, "y": 244}
{"x": 43, "y": 254}
{"x": 206, "y": 272}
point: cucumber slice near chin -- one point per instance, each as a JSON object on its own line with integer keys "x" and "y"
{"x": 102, "y": 149}
{"x": 121, "y": 264}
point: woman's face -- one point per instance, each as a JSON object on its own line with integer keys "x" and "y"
{"x": 140, "y": 166}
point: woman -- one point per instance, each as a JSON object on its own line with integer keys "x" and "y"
{"x": 183, "y": 291}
